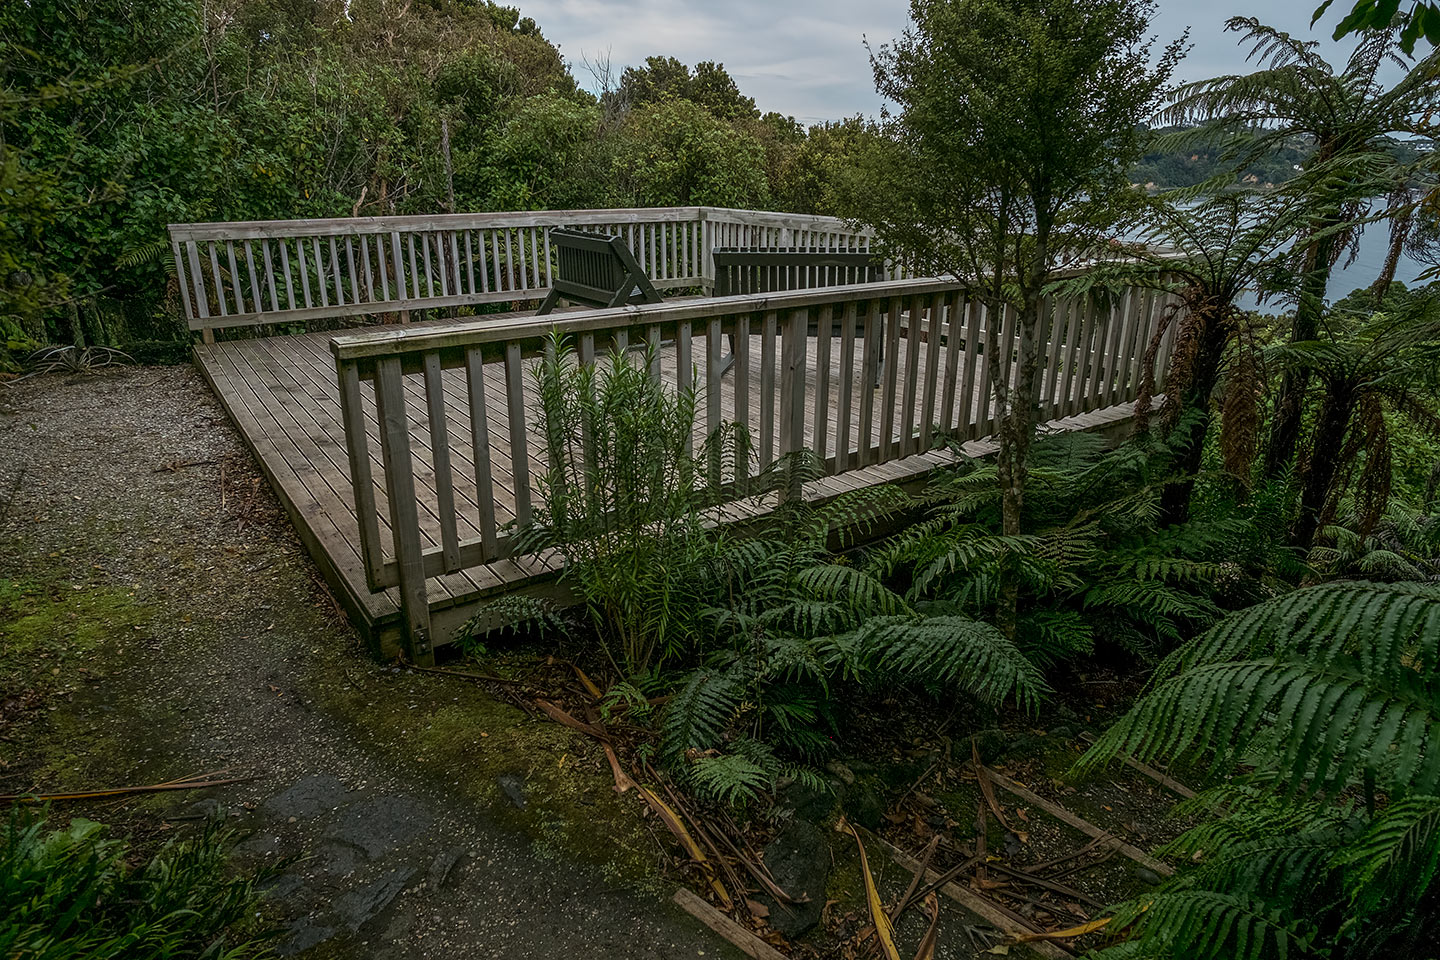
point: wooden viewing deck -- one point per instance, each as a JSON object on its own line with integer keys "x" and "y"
{"x": 405, "y": 454}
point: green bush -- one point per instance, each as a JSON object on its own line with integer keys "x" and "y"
{"x": 74, "y": 893}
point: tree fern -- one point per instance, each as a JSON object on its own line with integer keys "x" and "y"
{"x": 1330, "y": 698}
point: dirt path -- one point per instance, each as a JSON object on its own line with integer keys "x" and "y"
{"x": 158, "y": 619}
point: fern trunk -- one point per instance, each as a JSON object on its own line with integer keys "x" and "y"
{"x": 1322, "y": 462}
{"x": 1200, "y": 382}
{"x": 1290, "y": 408}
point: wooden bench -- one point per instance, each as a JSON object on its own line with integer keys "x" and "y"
{"x": 740, "y": 271}
{"x": 595, "y": 270}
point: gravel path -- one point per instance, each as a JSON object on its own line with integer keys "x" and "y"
{"x": 219, "y": 648}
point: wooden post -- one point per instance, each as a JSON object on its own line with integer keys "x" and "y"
{"x": 404, "y": 510}
{"x": 792, "y": 395}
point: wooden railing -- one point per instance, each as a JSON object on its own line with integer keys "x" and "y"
{"x": 292, "y": 271}
{"x": 454, "y": 411}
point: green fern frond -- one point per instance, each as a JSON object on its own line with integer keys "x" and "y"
{"x": 1210, "y": 925}
{"x": 1398, "y": 855}
{"x": 700, "y": 711}
{"x": 844, "y": 583}
{"x": 727, "y": 779}
{"x": 1328, "y": 681}
{"x": 949, "y": 650}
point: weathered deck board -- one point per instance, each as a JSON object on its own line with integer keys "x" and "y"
{"x": 282, "y": 394}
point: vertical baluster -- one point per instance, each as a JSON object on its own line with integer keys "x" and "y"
{"x": 182, "y": 281}
{"x": 425, "y": 239}
{"x": 1007, "y": 358}
{"x": 1081, "y": 362}
{"x": 932, "y": 370}
{"x": 320, "y": 273}
{"x": 684, "y": 369}
{"x": 869, "y": 381}
{"x": 366, "y": 266}
{"x": 404, "y": 509}
{"x": 767, "y": 390}
{"x": 741, "y": 352}
{"x": 335, "y": 272}
{"x": 914, "y": 334}
{"x": 440, "y": 452}
{"x": 825, "y": 331}
{"x": 792, "y": 392}
{"x": 511, "y": 277}
{"x": 197, "y": 280}
{"x": 355, "y": 293}
{"x": 519, "y": 449}
{"x": 847, "y": 388}
{"x": 219, "y": 279}
{"x": 713, "y": 415}
{"x": 480, "y": 443}
{"x": 1059, "y": 318}
{"x": 892, "y": 378}
{"x": 357, "y": 449}
{"x": 954, "y": 335}
{"x": 1065, "y": 384}
{"x": 652, "y": 338}
{"x": 255, "y": 297}
{"x": 290, "y": 302}
{"x": 270, "y": 272}
{"x": 971, "y": 405}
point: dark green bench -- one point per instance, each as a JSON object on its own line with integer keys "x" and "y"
{"x": 749, "y": 270}
{"x": 595, "y": 270}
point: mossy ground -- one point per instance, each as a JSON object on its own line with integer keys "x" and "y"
{"x": 461, "y": 736}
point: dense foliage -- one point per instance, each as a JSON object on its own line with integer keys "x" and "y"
{"x": 118, "y": 118}
{"x": 1327, "y": 696}
{"x": 73, "y": 892}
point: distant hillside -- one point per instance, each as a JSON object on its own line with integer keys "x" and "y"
{"x": 1186, "y": 168}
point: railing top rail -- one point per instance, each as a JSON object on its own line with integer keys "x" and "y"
{"x": 772, "y": 218}
{"x": 256, "y": 229}
{"x": 400, "y": 341}
{"x": 332, "y": 226}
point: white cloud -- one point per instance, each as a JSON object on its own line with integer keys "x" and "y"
{"x": 806, "y": 57}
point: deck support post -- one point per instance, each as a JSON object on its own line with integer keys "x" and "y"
{"x": 792, "y": 398}
{"x": 404, "y": 509}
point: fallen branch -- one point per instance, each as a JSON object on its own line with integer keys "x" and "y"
{"x": 742, "y": 939}
{"x": 878, "y": 918}
{"x": 121, "y": 791}
{"x": 1084, "y": 826}
{"x": 1065, "y": 934}
{"x": 561, "y": 717}
{"x": 462, "y": 674}
{"x": 1164, "y": 779}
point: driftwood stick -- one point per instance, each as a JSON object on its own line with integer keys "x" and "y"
{"x": 121, "y": 791}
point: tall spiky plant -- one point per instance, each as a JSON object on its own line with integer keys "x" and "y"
{"x": 1348, "y": 116}
{"x": 621, "y": 496}
{"x": 1330, "y": 699}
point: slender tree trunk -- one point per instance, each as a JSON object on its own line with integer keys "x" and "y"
{"x": 1323, "y": 462}
{"x": 1290, "y": 407}
{"x": 1399, "y": 233}
{"x": 449, "y": 169}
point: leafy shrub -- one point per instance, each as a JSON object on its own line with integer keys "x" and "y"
{"x": 620, "y": 499}
{"x": 73, "y": 893}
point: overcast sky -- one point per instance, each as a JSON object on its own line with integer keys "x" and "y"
{"x": 806, "y": 58}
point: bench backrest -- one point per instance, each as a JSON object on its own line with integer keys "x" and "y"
{"x": 742, "y": 270}
{"x": 595, "y": 270}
